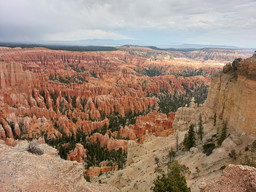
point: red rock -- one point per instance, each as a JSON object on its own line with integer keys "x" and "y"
{"x": 78, "y": 154}
{"x": 96, "y": 171}
{"x": 109, "y": 143}
{"x": 11, "y": 142}
{"x": 236, "y": 178}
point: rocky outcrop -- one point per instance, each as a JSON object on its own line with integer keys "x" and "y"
{"x": 109, "y": 142}
{"x": 185, "y": 116}
{"x": 232, "y": 96}
{"x": 24, "y": 171}
{"x": 236, "y": 178}
{"x": 78, "y": 154}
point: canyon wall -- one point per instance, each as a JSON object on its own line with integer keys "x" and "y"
{"x": 232, "y": 95}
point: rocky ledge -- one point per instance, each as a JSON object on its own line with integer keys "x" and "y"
{"x": 23, "y": 170}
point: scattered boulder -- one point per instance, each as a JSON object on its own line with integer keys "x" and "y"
{"x": 34, "y": 149}
{"x": 228, "y": 144}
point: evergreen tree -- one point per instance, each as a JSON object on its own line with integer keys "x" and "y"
{"x": 214, "y": 119}
{"x": 190, "y": 140}
{"x": 201, "y": 128}
{"x": 223, "y": 135}
{"x": 172, "y": 181}
{"x": 185, "y": 141}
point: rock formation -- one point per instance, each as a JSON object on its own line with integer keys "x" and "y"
{"x": 185, "y": 116}
{"x": 12, "y": 76}
{"x": 78, "y": 154}
{"x": 67, "y": 97}
{"x": 236, "y": 178}
{"x": 110, "y": 143}
{"x": 232, "y": 96}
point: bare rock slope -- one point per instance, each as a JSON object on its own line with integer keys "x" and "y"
{"x": 21, "y": 170}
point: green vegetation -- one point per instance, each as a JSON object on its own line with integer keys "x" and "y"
{"x": 233, "y": 154}
{"x": 172, "y": 155}
{"x": 79, "y": 79}
{"x": 168, "y": 102}
{"x": 249, "y": 160}
{"x": 208, "y": 148}
{"x": 116, "y": 121}
{"x": 201, "y": 128}
{"x": 172, "y": 181}
{"x": 153, "y": 71}
{"x": 249, "y": 156}
{"x": 223, "y": 135}
{"x": 95, "y": 154}
{"x": 190, "y": 139}
{"x": 214, "y": 119}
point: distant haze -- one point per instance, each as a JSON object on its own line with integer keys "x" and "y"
{"x": 146, "y": 22}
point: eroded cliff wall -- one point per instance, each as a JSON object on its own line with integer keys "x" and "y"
{"x": 232, "y": 95}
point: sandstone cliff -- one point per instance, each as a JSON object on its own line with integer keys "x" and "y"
{"x": 232, "y": 96}
{"x": 24, "y": 171}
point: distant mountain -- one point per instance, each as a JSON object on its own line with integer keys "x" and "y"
{"x": 200, "y": 46}
{"x": 122, "y": 42}
{"x": 95, "y": 42}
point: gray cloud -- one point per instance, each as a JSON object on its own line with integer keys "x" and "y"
{"x": 193, "y": 21}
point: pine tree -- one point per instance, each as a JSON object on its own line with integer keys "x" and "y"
{"x": 190, "y": 140}
{"x": 223, "y": 135}
{"x": 214, "y": 119}
{"x": 201, "y": 128}
{"x": 185, "y": 141}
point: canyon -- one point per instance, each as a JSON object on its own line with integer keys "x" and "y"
{"x": 111, "y": 113}
{"x": 55, "y": 94}
{"x": 229, "y": 100}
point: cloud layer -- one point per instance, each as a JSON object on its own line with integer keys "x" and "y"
{"x": 163, "y": 21}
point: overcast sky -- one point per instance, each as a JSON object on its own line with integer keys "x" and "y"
{"x": 156, "y": 22}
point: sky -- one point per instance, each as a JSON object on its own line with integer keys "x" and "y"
{"x": 152, "y": 22}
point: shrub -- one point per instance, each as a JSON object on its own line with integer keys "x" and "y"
{"x": 157, "y": 160}
{"x": 254, "y": 145}
{"x": 232, "y": 154}
{"x": 208, "y": 148}
{"x": 172, "y": 181}
{"x": 223, "y": 167}
{"x": 249, "y": 161}
{"x": 34, "y": 149}
{"x": 87, "y": 177}
{"x": 172, "y": 154}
